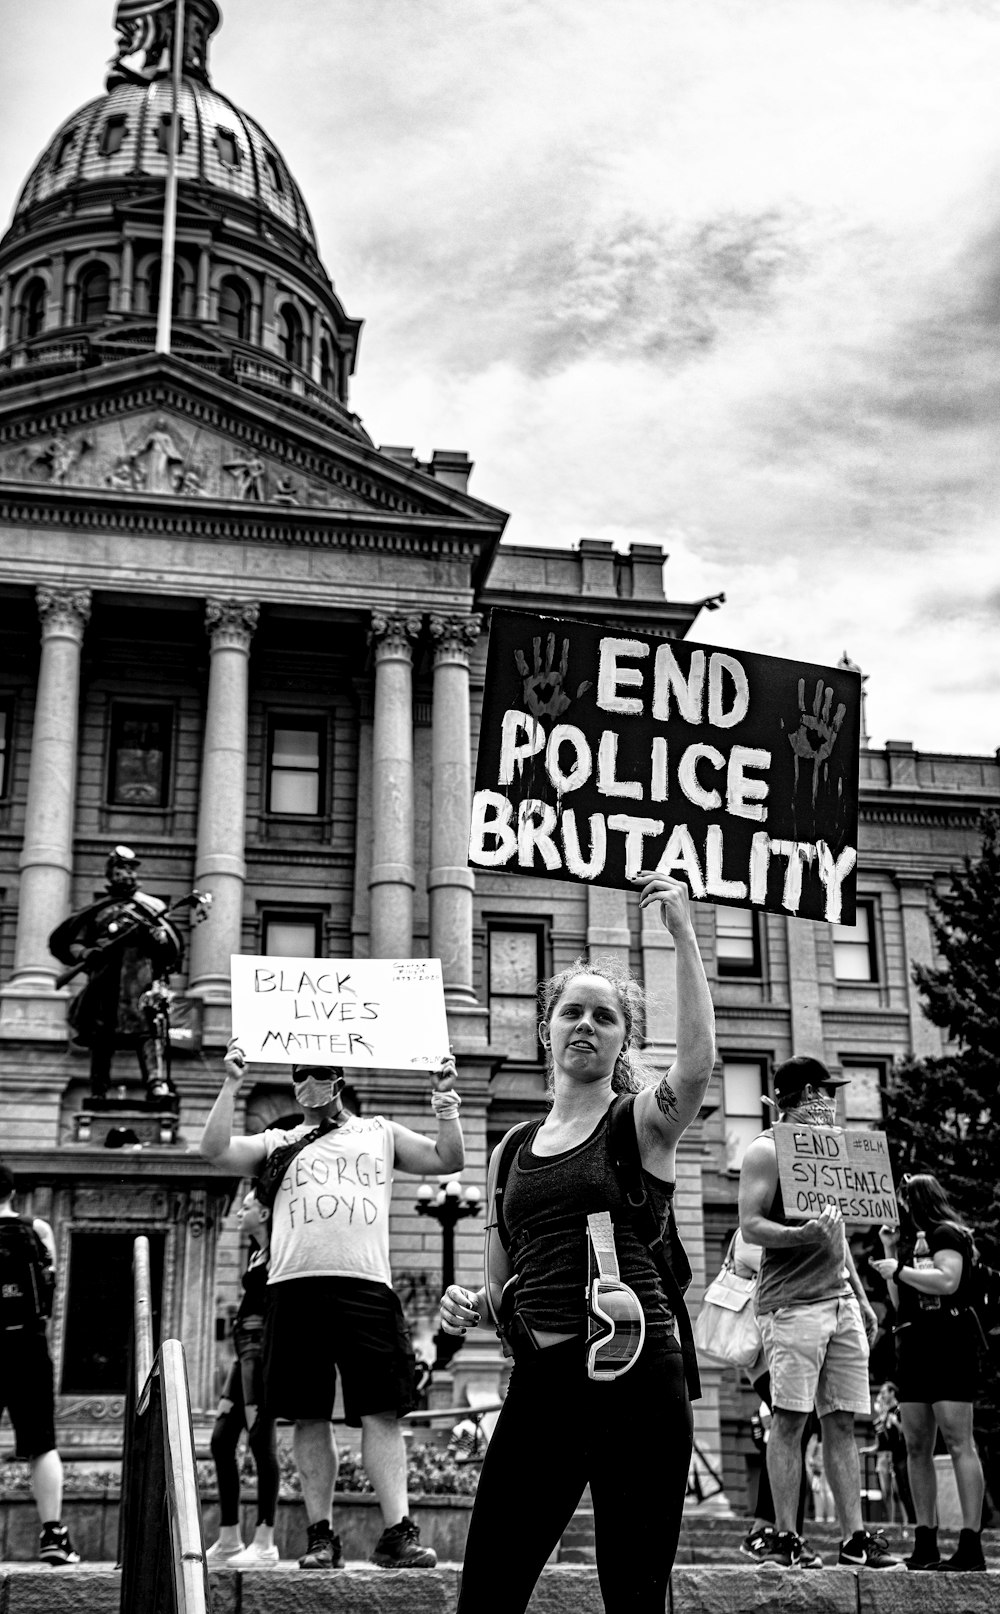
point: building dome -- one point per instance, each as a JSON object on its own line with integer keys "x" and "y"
{"x": 121, "y": 138}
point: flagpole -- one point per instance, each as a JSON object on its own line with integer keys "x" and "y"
{"x": 168, "y": 255}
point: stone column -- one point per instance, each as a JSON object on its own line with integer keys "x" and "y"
{"x": 219, "y": 863}
{"x": 5, "y": 336}
{"x": 659, "y": 979}
{"x": 391, "y": 881}
{"x": 268, "y": 335}
{"x": 806, "y": 1010}
{"x": 450, "y": 881}
{"x": 47, "y": 853}
{"x": 607, "y": 924}
{"x": 926, "y": 1039}
{"x": 127, "y": 282}
{"x": 55, "y": 309}
{"x": 201, "y": 290}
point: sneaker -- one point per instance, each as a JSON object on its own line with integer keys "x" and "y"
{"x": 784, "y": 1551}
{"x": 399, "y": 1548}
{"x": 809, "y": 1558}
{"x": 755, "y": 1543}
{"x": 221, "y": 1553}
{"x": 868, "y": 1549}
{"x": 257, "y": 1557}
{"x": 54, "y": 1545}
{"x": 322, "y": 1549}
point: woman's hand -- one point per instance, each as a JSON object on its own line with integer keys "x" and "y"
{"x": 884, "y": 1265}
{"x": 890, "y": 1240}
{"x": 235, "y": 1062}
{"x": 672, "y": 897}
{"x": 459, "y": 1310}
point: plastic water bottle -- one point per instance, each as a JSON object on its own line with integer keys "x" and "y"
{"x": 924, "y": 1262}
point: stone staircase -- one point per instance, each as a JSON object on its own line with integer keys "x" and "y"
{"x": 716, "y": 1542}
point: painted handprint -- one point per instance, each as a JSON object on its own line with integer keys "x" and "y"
{"x": 545, "y": 693}
{"x": 816, "y": 735}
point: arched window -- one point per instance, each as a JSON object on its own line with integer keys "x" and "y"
{"x": 93, "y": 295}
{"x": 234, "y": 309}
{"x": 327, "y": 367}
{"x": 31, "y": 310}
{"x": 154, "y": 289}
{"x": 292, "y": 336}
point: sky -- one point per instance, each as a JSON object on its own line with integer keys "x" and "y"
{"x": 720, "y": 275}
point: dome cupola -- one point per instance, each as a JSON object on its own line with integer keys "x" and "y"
{"x": 79, "y": 265}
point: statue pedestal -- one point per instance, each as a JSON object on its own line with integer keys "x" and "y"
{"x": 121, "y": 1123}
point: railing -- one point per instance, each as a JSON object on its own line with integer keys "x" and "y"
{"x": 161, "y": 1546}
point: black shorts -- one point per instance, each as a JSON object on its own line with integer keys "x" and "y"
{"x": 315, "y": 1326}
{"x": 938, "y": 1360}
{"x": 26, "y": 1391}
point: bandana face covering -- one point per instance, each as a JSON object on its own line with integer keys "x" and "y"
{"x": 817, "y": 1112}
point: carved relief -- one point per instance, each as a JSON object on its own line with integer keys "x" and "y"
{"x": 454, "y": 636}
{"x": 248, "y": 474}
{"x": 59, "y": 459}
{"x": 121, "y": 1205}
{"x": 230, "y": 623}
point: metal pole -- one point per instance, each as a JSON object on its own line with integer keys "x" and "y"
{"x": 167, "y": 257}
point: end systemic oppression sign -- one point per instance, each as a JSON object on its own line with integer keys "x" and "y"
{"x": 820, "y": 1165}
{"x": 604, "y": 753}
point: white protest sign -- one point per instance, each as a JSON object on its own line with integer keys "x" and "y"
{"x": 386, "y": 1012}
{"x": 829, "y": 1165}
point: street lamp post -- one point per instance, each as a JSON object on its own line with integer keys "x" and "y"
{"x": 448, "y": 1206}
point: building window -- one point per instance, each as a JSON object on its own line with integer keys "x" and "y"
{"x": 295, "y": 765}
{"x": 63, "y": 149}
{"x": 515, "y": 965}
{"x": 737, "y": 941}
{"x": 139, "y": 772}
{"x": 31, "y": 310}
{"x": 6, "y": 716}
{"x": 112, "y": 136}
{"x": 860, "y": 1102}
{"x": 292, "y": 336}
{"x": 854, "y": 953}
{"x": 274, "y": 172}
{"x": 291, "y": 935}
{"x": 99, "y": 1310}
{"x": 227, "y": 147}
{"x": 154, "y": 288}
{"x": 234, "y": 309}
{"x": 93, "y": 295}
{"x": 743, "y": 1103}
{"x": 163, "y": 132}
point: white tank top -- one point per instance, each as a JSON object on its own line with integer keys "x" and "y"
{"x": 331, "y": 1213}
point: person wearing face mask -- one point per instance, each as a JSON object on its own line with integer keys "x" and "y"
{"x": 817, "y": 1327}
{"x": 331, "y": 1304}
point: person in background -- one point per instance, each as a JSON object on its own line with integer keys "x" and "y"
{"x": 817, "y": 1326}
{"x": 331, "y": 1304}
{"x": 625, "y": 1423}
{"x": 27, "y": 1278}
{"x": 937, "y": 1351}
{"x": 756, "y": 1544}
{"x": 241, "y": 1406}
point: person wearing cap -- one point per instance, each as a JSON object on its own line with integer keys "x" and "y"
{"x": 331, "y": 1304}
{"x": 817, "y": 1328}
{"x": 129, "y": 944}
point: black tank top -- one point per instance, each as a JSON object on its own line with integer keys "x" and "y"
{"x": 546, "y": 1204}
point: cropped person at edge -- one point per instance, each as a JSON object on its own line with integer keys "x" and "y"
{"x": 631, "y": 1439}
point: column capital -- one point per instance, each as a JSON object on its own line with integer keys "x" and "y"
{"x": 64, "y": 612}
{"x": 454, "y": 637}
{"x": 230, "y": 624}
{"x": 393, "y": 636}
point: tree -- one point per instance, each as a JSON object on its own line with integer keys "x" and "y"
{"x": 943, "y": 1115}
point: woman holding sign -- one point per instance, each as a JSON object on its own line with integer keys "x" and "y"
{"x": 928, "y": 1272}
{"x": 584, "y": 1278}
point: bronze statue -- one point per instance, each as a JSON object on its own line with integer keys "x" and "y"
{"x": 127, "y": 946}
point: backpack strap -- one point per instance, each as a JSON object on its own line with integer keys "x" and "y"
{"x": 269, "y": 1178}
{"x": 627, "y": 1163}
{"x": 509, "y": 1145}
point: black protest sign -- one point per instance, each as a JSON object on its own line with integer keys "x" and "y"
{"x": 602, "y": 753}
{"x": 826, "y": 1165}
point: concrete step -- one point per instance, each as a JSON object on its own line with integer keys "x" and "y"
{"x": 361, "y": 1589}
{"x": 717, "y": 1541}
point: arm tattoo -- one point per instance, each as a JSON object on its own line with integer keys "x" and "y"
{"x": 666, "y": 1101}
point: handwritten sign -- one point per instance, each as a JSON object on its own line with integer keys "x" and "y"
{"x": 822, "y": 1165}
{"x": 601, "y": 753}
{"x": 385, "y": 1012}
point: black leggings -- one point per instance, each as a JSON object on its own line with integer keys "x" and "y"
{"x": 239, "y": 1409}
{"x": 558, "y": 1430}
